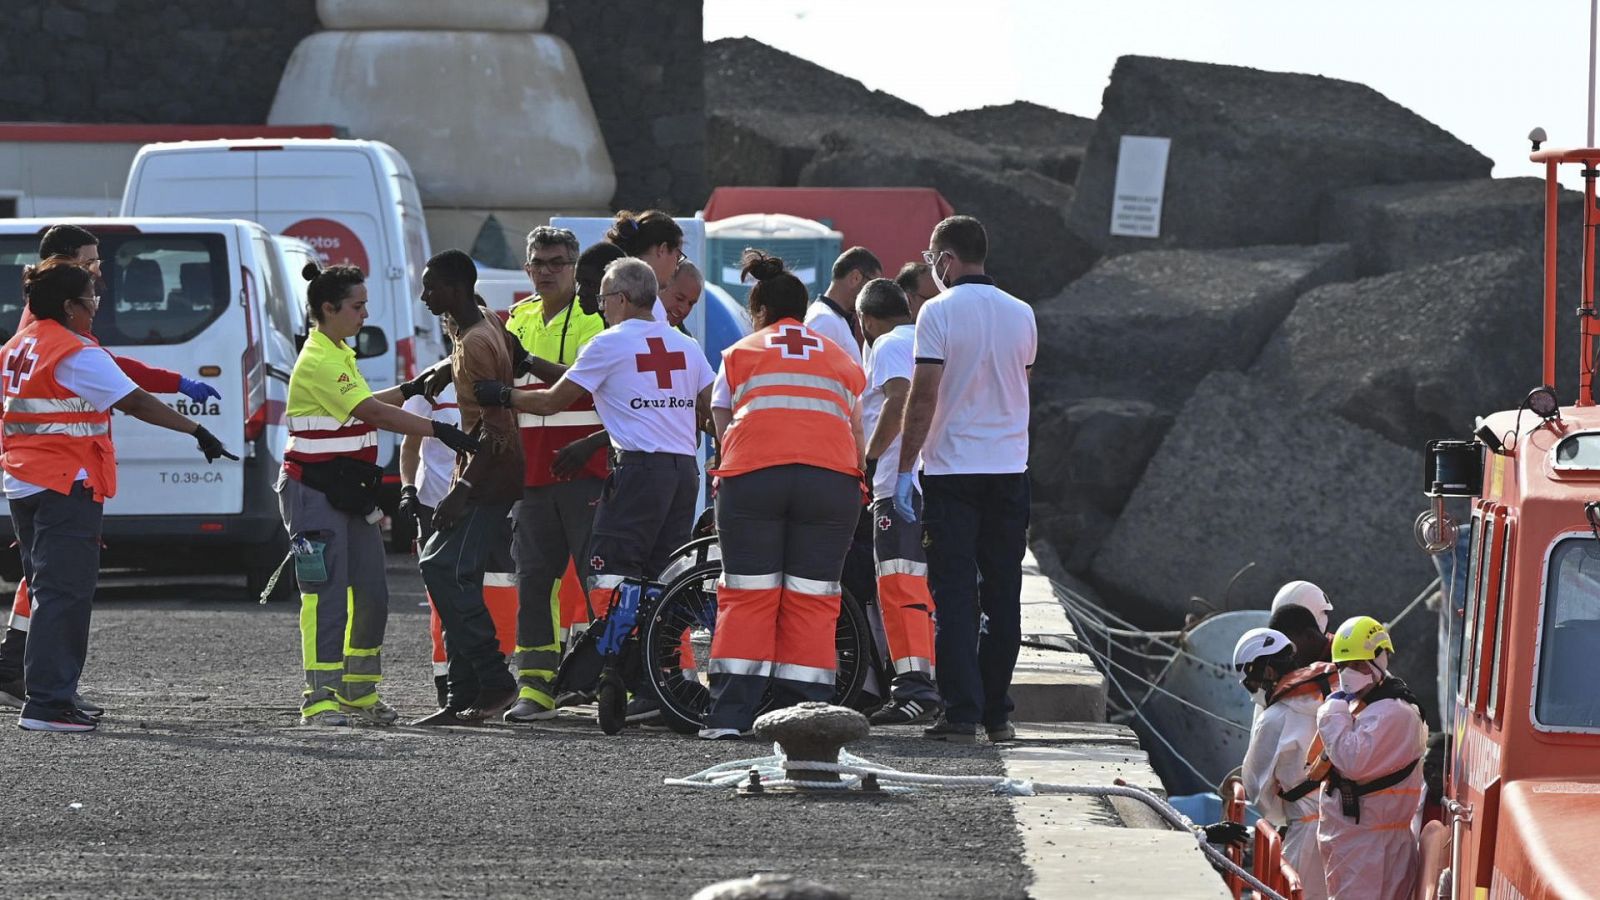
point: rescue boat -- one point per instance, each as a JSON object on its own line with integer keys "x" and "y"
{"x": 1521, "y": 808}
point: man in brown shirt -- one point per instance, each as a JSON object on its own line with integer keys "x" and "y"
{"x": 471, "y": 521}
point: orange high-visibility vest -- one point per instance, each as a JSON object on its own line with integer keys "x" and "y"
{"x": 51, "y": 433}
{"x": 793, "y": 394}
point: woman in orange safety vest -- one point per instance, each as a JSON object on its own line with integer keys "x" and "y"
{"x": 60, "y": 467}
{"x": 786, "y": 412}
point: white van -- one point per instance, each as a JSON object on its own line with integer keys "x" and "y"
{"x": 209, "y": 299}
{"x": 356, "y": 202}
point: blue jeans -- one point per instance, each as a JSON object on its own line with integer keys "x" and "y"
{"x": 975, "y": 530}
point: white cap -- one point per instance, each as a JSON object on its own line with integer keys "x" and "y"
{"x": 1258, "y": 643}
{"x": 1307, "y": 595}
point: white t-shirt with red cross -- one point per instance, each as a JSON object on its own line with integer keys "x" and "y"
{"x": 645, "y": 377}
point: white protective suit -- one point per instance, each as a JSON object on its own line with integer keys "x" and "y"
{"x": 1276, "y": 760}
{"x": 1376, "y": 859}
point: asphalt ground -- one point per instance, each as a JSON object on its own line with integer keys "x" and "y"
{"x": 201, "y": 782}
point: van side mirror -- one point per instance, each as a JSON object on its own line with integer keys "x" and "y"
{"x": 371, "y": 342}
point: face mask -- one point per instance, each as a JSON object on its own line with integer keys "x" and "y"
{"x": 938, "y": 281}
{"x": 1353, "y": 682}
{"x": 1259, "y": 697}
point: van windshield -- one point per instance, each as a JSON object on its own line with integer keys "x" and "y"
{"x": 1571, "y": 640}
{"x": 157, "y": 288}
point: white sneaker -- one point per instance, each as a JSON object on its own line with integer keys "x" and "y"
{"x": 378, "y": 713}
{"x": 330, "y": 718}
{"x": 720, "y": 734}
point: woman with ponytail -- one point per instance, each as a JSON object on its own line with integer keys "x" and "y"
{"x": 785, "y": 410}
{"x": 655, "y": 238}
{"x": 328, "y": 497}
{"x": 60, "y": 468}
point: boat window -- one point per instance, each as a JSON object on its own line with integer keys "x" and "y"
{"x": 1579, "y": 451}
{"x": 1570, "y": 638}
{"x": 1482, "y": 540}
{"x": 1500, "y": 622}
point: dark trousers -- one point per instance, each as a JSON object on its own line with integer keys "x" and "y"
{"x": 453, "y": 563}
{"x": 646, "y": 511}
{"x": 975, "y": 533}
{"x": 59, "y": 536}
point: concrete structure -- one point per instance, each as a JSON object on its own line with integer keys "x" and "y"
{"x": 219, "y": 61}
{"x": 492, "y": 116}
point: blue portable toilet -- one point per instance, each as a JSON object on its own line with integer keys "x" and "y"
{"x": 806, "y": 246}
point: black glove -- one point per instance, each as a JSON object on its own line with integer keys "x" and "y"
{"x": 492, "y": 393}
{"x": 1227, "y": 833}
{"x": 523, "y": 363}
{"x": 415, "y": 386}
{"x": 434, "y": 379}
{"x": 408, "y": 505}
{"x": 455, "y": 438}
{"x": 209, "y": 445}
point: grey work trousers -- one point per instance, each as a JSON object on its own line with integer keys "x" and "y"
{"x": 453, "y": 564}
{"x": 553, "y": 524}
{"x": 59, "y": 536}
{"x": 343, "y": 615}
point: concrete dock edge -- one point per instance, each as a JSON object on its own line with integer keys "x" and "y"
{"x": 1077, "y": 846}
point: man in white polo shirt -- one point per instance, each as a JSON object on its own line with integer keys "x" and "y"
{"x": 833, "y": 315}
{"x": 967, "y": 418}
{"x": 652, "y": 387}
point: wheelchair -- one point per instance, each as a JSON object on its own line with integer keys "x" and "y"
{"x": 655, "y": 640}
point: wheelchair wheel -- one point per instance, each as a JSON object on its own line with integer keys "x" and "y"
{"x": 677, "y": 648}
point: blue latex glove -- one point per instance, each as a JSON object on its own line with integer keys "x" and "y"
{"x": 198, "y": 391}
{"x": 905, "y": 490}
{"x": 1340, "y": 695}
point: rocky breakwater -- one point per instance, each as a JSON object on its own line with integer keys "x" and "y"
{"x": 1337, "y": 281}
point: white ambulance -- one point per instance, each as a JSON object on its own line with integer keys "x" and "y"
{"x": 356, "y": 202}
{"x": 209, "y": 299}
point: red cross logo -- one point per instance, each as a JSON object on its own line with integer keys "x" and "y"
{"x": 19, "y": 365}
{"x": 794, "y": 342}
{"x": 661, "y": 362}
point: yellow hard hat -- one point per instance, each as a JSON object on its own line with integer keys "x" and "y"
{"x": 1360, "y": 637}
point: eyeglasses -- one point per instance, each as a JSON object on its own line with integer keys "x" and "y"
{"x": 932, "y": 256}
{"x": 602, "y": 297}
{"x": 92, "y": 298}
{"x": 549, "y": 265}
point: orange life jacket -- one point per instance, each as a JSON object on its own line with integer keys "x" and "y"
{"x": 50, "y": 433}
{"x": 793, "y": 394}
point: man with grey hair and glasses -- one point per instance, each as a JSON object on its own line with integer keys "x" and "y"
{"x": 564, "y": 465}
{"x": 652, "y": 387}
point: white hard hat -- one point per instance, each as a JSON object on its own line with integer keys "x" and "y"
{"x": 1258, "y": 643}
{"x": 1307, "y": 595}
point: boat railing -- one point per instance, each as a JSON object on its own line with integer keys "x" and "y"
{"x": 1234, "y": 806}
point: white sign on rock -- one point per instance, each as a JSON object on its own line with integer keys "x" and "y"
{"x": 1141, "y": 181}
